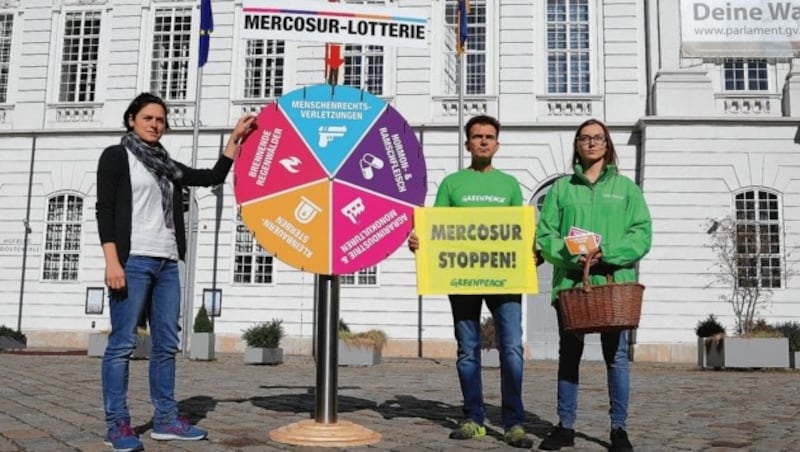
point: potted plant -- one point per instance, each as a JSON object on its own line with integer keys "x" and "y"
{"x": 203, "y": 339}
{"x": 360, "y": 349}
{"x": 490, "y": 356}
{"x": 791, "y": 330}
{"x": 709, "y": 334}
{"x": 755, "y": 345}
{"x": 263, "y": 343}
{"x": 12, "y": 339}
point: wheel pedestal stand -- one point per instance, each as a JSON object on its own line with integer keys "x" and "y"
{"x": 325, "y": 430}
{"x": 313, "y": 433}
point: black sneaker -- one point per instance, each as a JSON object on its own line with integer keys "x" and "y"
{"x": 619, "y": 441}
{"x": 558, "y": 438}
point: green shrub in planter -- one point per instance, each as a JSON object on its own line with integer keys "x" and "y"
{"x": 264, "y": 335}
{"x": 12, "y": 339}
{"x": 202, "y": 324}
{"x": 791, "y": 330}
{"x": 375, "y": 339}
{"x": 13, "y": 334}
{"x": 709, "y": 327}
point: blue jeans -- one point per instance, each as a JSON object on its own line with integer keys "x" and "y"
{"x": 507, "y": 313}
{"x": 615, "y": 354}
{"x": 147, "y": 279}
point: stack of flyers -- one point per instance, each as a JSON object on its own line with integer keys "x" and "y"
{"x": 581, "y": 241}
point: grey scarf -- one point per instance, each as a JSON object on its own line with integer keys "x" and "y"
{"x": 157, "y": 161}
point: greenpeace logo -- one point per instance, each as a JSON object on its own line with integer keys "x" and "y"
{"x": 477, "y": 282}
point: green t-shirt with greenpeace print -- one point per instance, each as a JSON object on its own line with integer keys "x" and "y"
{"x": 470, "y": 188}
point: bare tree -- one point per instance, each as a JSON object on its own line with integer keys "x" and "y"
{"x": 748, "y": 263}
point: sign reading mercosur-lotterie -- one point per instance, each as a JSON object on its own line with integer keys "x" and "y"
{"x": 303, "y": 20}
{"x": 740, "y": 28}
{"x": 329, "y": 180}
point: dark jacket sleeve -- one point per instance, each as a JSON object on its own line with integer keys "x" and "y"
{"x": 109, "y": 175}
{"x": 206, "y": 177}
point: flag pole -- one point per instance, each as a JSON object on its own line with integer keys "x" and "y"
{"x": 460, "y": 112}
{"x": 191, "y": 245}
{"x": 206, "y": 26}
{"x": 462, "y": 33}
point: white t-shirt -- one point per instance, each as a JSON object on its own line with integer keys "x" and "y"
{"x": 149, "y": 233}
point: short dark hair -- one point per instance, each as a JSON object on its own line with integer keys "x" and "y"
{"x": 611, "y": 153}
{"x": 140, "y": 102}
{"x": 484, "y": 120}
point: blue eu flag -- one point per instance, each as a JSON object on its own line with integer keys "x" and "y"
{"x": 463, "y": 34}
{"x": 206, "y": 27}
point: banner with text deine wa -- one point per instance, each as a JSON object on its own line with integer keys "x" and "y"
{"x": 740, "y": 28}
{"x": 475, "y": 250}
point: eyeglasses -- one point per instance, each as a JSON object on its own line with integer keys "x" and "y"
{"x": 597, "y": 139}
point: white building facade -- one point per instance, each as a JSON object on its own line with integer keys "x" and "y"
{"x": 704, "y": 138}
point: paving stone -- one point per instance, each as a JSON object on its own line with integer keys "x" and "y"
{"x": 412, "y": 403}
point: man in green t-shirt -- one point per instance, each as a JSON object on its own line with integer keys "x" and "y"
{"x": 481, "y": 185}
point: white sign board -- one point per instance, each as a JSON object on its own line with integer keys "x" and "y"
{"x": 740, "y": 28}
{"x": 322, "y": 21}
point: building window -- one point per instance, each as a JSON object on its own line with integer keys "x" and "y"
{"x": 568, "y": 68}
{"x": 172, "y": 36}
{"x": 745, "y": 75}
{"x": 62, "y": 245}
{"x": 363, "y": 68}
{"x": 6, "y": 28}
{"x": 79, "y": 59}
{"x": 251, "y": 263}
{"x": 263, "y": 73}
{"x": 758, "y": 239}
{"x": 363, "y": 64}
{"x": 475, "y": 53}
{"x": 365, "y": 277}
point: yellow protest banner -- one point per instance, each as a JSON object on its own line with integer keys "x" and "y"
{"x": 475, "y": 250}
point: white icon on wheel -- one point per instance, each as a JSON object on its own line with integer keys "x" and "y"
{"x": 367, "y": 163}
{"x": 353, "y": 210}
{"x": 330, "y": 133}
{"x": 291, "y": 164}
{"x": 306, "y": 210}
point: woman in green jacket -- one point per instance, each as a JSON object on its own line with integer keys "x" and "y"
{"x": 598, "y": 199}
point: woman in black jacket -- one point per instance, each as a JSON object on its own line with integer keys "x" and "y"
{"x": 137, "y": 179}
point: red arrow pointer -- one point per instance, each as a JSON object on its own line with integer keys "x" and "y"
{"x": 333, "y": 56}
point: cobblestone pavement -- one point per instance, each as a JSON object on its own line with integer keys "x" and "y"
{"x": 54, "y": 403}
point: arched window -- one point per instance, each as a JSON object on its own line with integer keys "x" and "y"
{"x": 758, "y": 239}
{"x": 62, "y": 244}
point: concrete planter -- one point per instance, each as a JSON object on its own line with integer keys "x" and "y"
{"x": 97, "y": 345}
{"x": 99, "y": 341}
{"x": 358, "y": 356}
{"x": 203, "y": 345}
{"x": 490, "y": 358}
{"x": 263, "y": 355}
{"x": 701, "y": 352}
{"x": 7, "y": 343}
{"x": 795, "y": 359}
{"x": 143, "y": 346}
{"x": 747, "y": 352}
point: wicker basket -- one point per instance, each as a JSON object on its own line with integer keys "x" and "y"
{"x": 600, "y": 309}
